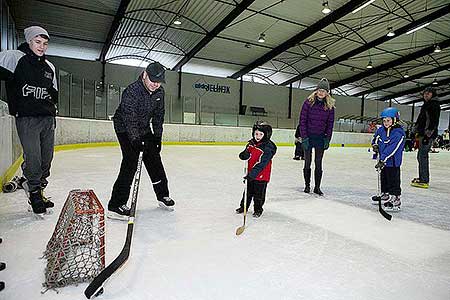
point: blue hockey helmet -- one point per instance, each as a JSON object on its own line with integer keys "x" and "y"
{"x": 391, "y": 112}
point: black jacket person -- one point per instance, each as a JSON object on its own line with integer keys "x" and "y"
{"x": 142, "y": 104}
{"x": 32, "y": 96}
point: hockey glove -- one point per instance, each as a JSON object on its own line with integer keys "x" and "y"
{"x": 375, "y": 148}
{"x": 248, "y": 178}
{"x": 157, "y": 143}
{"x": 380, "y": 165}
{"x": 326, "y": 143}
{"x": 305, "y": 144}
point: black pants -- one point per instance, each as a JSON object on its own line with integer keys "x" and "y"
{"x": 390, "y": 181}
{"x": 318, "y": 156}
{"x": 256, "y": 190}
{"x": 128, "y": 167}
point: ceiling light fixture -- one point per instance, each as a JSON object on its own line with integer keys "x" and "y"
{"x": 437, "y": 49}
{"x": 406, "y": 75}
{"x": 326, "y": 9}
{"x": 435, "y": 82}
{"x": 369, "y": 65}
{"x": 418, "y": 28}
{"x": 322, "y": 54}
{"x": 390, "y": 33}
{"x": 262, "y": 38}
{"x": 362, "y": 6}
{"x": 177, "y": 21}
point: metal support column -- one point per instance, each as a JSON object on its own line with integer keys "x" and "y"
{"x": 290, "y": 102}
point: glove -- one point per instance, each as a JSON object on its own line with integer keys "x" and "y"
{"x": 380, "y": 165}
{"x": 305, "y": 144}
{"x": 137, "y": 145}
{"x": 375, "y": 148}
{"x": 326, "y": 143}
{"x": 248, "y": 178}
{"x": 157, "y": 143}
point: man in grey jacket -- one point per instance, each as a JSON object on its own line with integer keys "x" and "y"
{"x": 142, "y": 103}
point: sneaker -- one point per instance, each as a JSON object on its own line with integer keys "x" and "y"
{"x": 20, "y": 181}
{"x": 166, "y": 203}
{"x": 296, "y": 158}
{"x": 36, "y": 202}
{"x": 119, "y": 213}
{"x": 420, "y": 184}
{"x": 393, "y": 204}
{"x": 384, "y": 197}
{"x": 239, "y": 210}
{"x": 257, "y": 214}
{"x": 415, "y": 180}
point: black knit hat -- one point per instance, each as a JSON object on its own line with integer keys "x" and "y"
{"x": 156, "y": 72}
{"x": 431, "y": 90}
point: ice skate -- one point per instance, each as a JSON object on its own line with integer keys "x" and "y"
{"x": 119, "y": 213}
{"x": 257, "y": 213}
{"x": 393, "y": 204}
{"x": 166, "y": 203}
{"x": 384, "y": 197}
{"x": 239, "y": 210}
{"x": 36, "y": 203}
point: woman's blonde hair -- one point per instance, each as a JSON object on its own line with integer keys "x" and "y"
{"x": 329, "y": 101}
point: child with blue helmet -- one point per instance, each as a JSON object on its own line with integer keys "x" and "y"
{"x": 388, "y": 143}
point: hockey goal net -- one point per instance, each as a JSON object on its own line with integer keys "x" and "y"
{"x": 76, "y": 250}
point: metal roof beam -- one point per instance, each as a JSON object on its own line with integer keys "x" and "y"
{"x": 413, "y": 90}
{"x": 213, "y": 33}
{"x": 389, "y": 65}
{"x": 421, "y": 99}
{"x": 114, "y": 26}
{"x": 434, "y": 15}
{"x": 293, "y": 41}
{"x": 403, "y": 80}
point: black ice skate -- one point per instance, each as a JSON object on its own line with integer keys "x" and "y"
{"x": 239, "y": 210}
{"x": 36, "y": 202}
{"x": 384, "y": 197}
{"x": 119, "y": 213}
{"x": 393, "y": 204}
{"x": 166, "y": 203}
{"x": 257, "y": 214}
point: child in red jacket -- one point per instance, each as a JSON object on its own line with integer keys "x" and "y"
{"x": 259, "y": 152}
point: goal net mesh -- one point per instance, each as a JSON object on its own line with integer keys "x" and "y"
{"x": 76, "y": 250}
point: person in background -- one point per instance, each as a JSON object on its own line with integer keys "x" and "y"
{"x": 259, "y": 153}
{"x": 142, "y": 104}
{"x": 426, "y": 130}
{"x": 316, "y": 128}
{"x": 32, "y": 94}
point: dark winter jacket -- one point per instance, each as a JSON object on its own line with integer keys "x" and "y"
{"x": 316, "y": 120}
{"x": 138, "y": 107}
{"x": 259, "y": 155}
{"x": 428, "y": 119}
{"x": 391, "y": 143}
{"x": 31, "y": 85}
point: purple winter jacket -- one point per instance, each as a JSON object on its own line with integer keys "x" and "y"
{"x": 315, "y": 120}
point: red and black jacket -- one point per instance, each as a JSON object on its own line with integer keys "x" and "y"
{"x": 259, "y": 155}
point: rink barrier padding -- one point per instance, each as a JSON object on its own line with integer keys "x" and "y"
{"x": 9, "y": 174}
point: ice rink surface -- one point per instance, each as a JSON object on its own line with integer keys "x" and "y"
{"x": 303, "y": 247}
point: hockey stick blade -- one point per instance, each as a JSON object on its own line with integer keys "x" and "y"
{"x": 96, "y": 286}
{"x": 240, "y": 230}
{"x": 383, "y": 212}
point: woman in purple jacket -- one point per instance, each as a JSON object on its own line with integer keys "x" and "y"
{"x": 316, "y": 127}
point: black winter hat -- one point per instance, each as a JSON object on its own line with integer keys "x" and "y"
{"x": 431, "y": 90}
{"x": 263, "y": 127}
{"x": 156, "y": 72}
